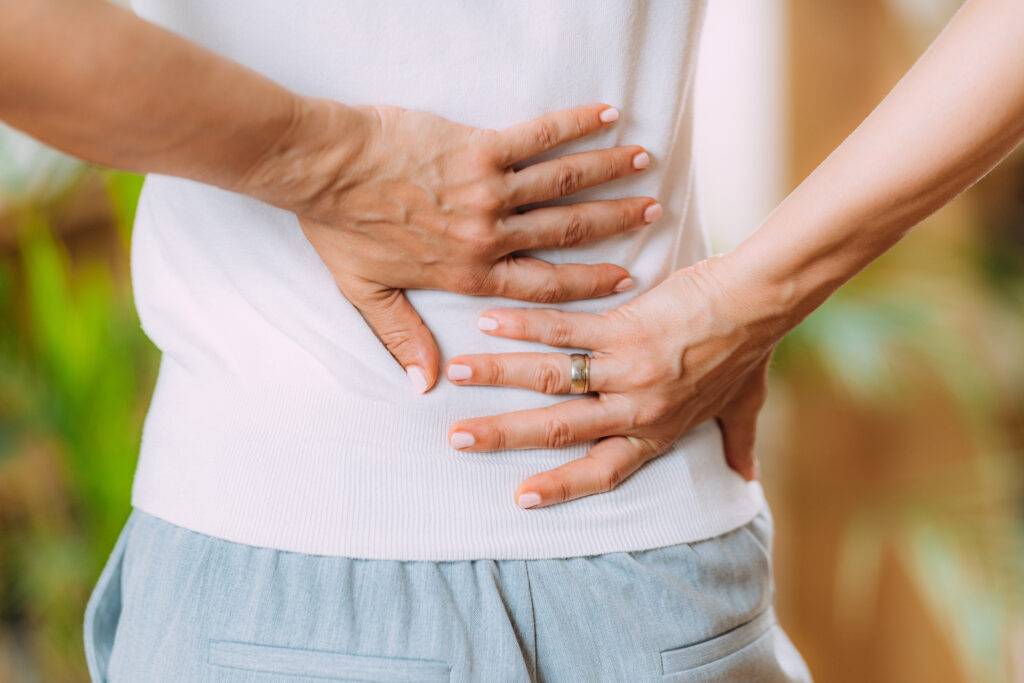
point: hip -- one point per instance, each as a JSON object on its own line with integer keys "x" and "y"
{"x": 173, "y": 604}
{"x": 313, "y": 471}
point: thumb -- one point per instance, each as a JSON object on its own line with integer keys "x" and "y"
{"x": 738, "y": 420}
{"x": 397, "y": 324}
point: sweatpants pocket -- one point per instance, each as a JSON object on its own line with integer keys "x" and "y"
{"x": 288, "y": 661}
{"x": 727, "y": 657}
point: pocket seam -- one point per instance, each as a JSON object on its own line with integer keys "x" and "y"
{"x": 719, "y": 647}
{"x": 765, "y": 544}
{"x": 324, "y": 664}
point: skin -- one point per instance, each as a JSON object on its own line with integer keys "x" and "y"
{"x": 464, "y": 232}
{"x": 95, "y": 81}
{"x": 697, "y": 345}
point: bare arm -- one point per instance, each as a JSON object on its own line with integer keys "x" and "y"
{"x": 96, "y": 81}
{"x": 953, "y": 116}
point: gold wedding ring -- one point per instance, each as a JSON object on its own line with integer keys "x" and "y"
{"x": 579, "y": 373}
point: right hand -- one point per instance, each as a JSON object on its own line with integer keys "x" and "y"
{"x": 426, "y": 203}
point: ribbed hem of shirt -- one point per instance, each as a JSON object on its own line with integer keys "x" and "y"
{"x": 321, "y": 473}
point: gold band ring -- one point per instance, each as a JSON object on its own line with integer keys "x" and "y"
{"x": 579, "y": 373}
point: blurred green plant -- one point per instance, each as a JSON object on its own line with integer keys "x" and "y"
{"x": 75, "y": 374}
{"x": 86, "y": 350}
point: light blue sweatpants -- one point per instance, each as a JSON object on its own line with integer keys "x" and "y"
{"x": 175, "y": 605}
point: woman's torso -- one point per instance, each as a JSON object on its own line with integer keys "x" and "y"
{"x": 280, "y": 420}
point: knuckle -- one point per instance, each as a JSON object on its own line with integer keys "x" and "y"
{"x": 645, "y": 374}
{"x": 468, "y": 282}
{"x": 599, "y": 284}
{"x": 568, "y": 179}
{"x": 500, "y": 437}
{"x": 524, "y": 327}
{"x": 494, "y": 372}
{"x": 480, "y": 240}
{"x": 557, "y": 485}
{"x": 608, "y": 477}
{"x": 576, "y": 229}
{"x": 613, "y": 167}
{"x": 650, "y": 413}
{"x": 557, "y": 434}
{"x": 486, "y": 197}
{"x": 546, "y": 133}
{"x": 547, "y": 292}
{"x": 582, "y": 124}
{"x": 560, "y": 333}
{"x": 644, "y": 417}
{"x": 399, "y": 342}
{"x": 628, "y": 217}
{"x": 490, "y": 145}
{"x": 549, "y": 379}
{"x": 482, "y": 248}
{"x": 565, "y": 490}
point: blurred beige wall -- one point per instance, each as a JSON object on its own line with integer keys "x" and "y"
{"x": 740, "y": 116}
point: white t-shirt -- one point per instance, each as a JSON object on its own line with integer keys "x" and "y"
{"x": 280, "y": 420}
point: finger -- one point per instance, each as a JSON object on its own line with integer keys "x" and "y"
{"x": 738, "y": 421}
{"x": 604, "y": 467}
{"x": 568, "y": 174}
{"x": 547, "y": 326}
{"x": 569, "y": 226}
{"x": 530, "y": 279}
{"x": 549, "y": 373}
{"x": 524, "y": 140}
{"x": 395, "y": 322}
{"x": 554, "y": 426}
{"x": 738, "y": 436}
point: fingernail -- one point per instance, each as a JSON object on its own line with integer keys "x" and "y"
{"x": 641, "y": 160}
{"x": 487, "y": 324}
{"x": 457, "y": 371}
{"x": 609, "y": 115}
{"x": 461, "y": 440}
{"x": 652, "y": 213}
{"x": 416, "y": 376}
{"x": 529, "y": 500}
{"x": 624, "y": 284}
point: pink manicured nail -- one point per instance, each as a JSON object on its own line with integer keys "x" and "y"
{"x": 652, "y": 213}
{"x": 609, "y": 115}
{"x": 416, "y": 376}
{"x": 624, "y": 284}
{"x": 461, "y": 440}
{"x": 529, "y": 500}
{"x": 457, "y": 371}
{"x": 487, "y": 324}
{"x": 641, "y": 160}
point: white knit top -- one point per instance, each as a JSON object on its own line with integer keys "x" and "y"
{"x": 280, "y": 420}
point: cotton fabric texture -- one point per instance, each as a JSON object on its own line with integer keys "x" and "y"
{"x": 175, "y": 605}
{"x": 279, "y": 419}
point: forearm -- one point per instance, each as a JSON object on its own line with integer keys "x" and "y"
{"x": 96, "y": 81}
{"x": 953, "y": 116}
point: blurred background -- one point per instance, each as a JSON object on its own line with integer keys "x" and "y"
{"x": 892, "y": 443}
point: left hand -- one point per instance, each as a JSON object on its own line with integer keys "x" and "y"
{"x": 687, "y": 350}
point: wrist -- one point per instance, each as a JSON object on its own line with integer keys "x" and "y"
{"x": 763, "y": 300}
{"x": 314, "y": 157}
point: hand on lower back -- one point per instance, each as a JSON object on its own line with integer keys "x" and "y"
{"x": 426, "y": 203}
{"x": 690, "y": 349}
